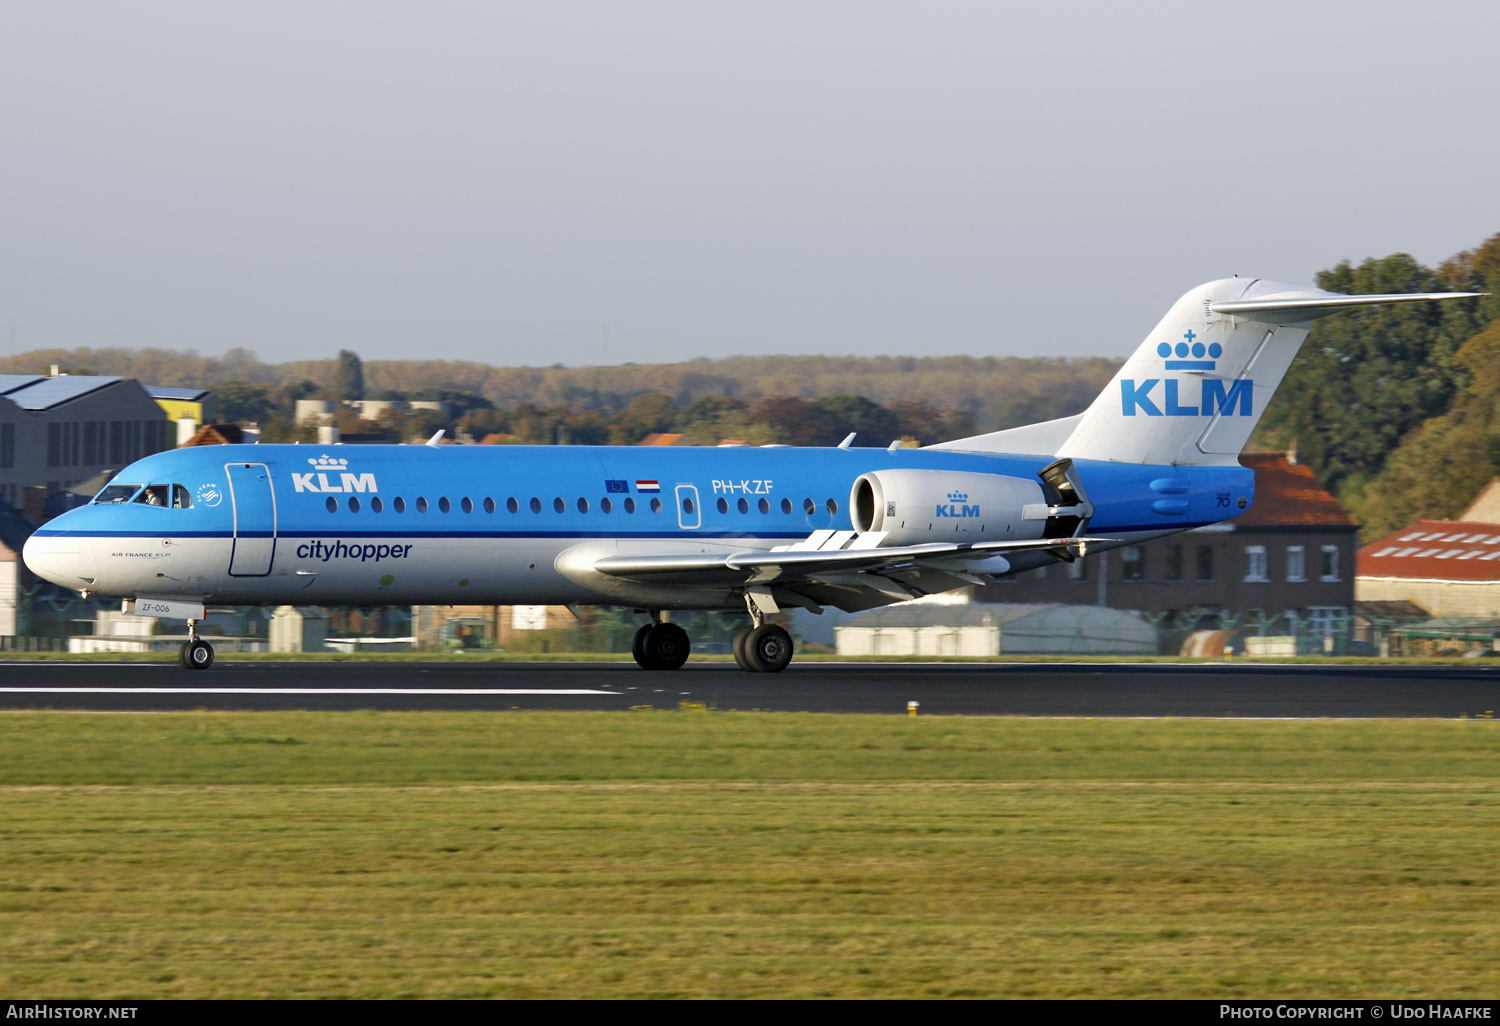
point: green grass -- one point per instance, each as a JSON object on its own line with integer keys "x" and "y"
{"x": 737, "y": 854}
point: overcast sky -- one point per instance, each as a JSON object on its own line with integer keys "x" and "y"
{"x": 530, "y": 183}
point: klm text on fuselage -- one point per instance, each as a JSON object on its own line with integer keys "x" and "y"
{"x": 1214, "y": 398}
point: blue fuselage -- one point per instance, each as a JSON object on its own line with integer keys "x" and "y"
{"x": 488, "y": 524}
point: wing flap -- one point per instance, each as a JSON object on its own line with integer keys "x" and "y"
{"x": 797, "y": 563}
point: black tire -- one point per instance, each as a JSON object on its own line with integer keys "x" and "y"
{"x": 197, "y": 655}
{"x": 666, "y": 647}
{"x": 768, "y": 649}
{"x": 182, "y": 657}
{"x": 738, "y": 648}
{"x": 638, "y": 646}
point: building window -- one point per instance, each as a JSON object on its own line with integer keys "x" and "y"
{"x": 1205, "y": 562}
{"x": 1296, "y": 563}
{"x": 1133, "y": 563}
{"x": 1078, "y": 571}
{"x": 1330, "y": 568}
{"x": 1327, "y": 621}
{"x": 1173, "y": 570}
{"x": 1255, "y": 563}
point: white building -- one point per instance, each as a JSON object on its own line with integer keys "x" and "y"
{"x": 993, "y": 629}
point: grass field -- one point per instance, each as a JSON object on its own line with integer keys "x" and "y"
{"x": 728, "y": 854}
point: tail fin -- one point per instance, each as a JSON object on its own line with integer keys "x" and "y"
{"x": 1195, "y": 389}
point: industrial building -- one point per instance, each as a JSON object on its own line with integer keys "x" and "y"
{"x": 59, "y": 430}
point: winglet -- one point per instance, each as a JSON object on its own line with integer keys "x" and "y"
{"x": 848, "y": 441}
{"x": 433, "y": 441}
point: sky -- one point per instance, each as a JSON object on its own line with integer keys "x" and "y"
{"x": 595, "y": 183}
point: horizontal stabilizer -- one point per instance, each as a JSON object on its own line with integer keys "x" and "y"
{"x": 1305, "y": 305}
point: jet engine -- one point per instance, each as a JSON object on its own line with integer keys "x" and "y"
{"x": 916, "y": 506}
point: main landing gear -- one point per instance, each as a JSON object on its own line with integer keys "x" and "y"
{"x": 660, "y": 645}
{"x": 195, "y": 653}
{"x": 760, "y": 648}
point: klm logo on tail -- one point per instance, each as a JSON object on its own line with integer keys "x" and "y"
{"x": 956, "y": 507}
{"x": 1213, "y": 396}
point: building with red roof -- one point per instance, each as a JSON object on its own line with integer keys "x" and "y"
{"x": 1448, "y": 567}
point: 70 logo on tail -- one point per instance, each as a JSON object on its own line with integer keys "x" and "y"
{"x": 1215, "y": 398}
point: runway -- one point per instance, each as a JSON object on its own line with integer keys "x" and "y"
{"x": 970, "y": 689}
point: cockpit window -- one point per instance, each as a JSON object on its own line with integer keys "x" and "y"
{"x": 155, "y": 495}
{"x": 181, "y": 497}
{"x": 117, "y": 493}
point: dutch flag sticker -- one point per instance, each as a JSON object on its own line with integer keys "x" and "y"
{"x": 647, "y": 486}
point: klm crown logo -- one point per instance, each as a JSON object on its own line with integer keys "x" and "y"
{"x": 1197, "y": 350}
{"x": 1216, "y": 394}
{"x": 326, "y": 462}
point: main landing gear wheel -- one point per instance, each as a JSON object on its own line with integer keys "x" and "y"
{"x": 738, "y": 648}
{"x": 638, "y": 644}
{"x": 661, "y": 646}
{"x": 196, "y": 654}
{"x": 768, "y": 649}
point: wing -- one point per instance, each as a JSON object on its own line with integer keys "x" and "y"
{"x": 841, "y": 568}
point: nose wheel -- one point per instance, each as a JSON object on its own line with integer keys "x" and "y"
{"x": 195, "y": 653}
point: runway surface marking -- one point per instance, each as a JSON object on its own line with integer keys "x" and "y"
{"x": 306, "y": 691}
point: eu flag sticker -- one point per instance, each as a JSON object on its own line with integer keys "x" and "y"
{"x": 616, "y": 486}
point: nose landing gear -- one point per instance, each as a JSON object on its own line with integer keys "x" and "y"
{"x": 195, "y": 653}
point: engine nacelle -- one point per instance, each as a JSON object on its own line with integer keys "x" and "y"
{"x": 916, "y": 506}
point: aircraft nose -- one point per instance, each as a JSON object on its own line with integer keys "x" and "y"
{"x": 57, "y": 559}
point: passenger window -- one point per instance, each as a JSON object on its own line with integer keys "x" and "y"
{"x": 154, "y": 495}
{"x": 558, "y": 504}
{"x": 376, "y": 505}
{"x": 398, "y": 504}
{"x": 833, "y": 507}
{"x": 536, "y": 504}
{"x": 687, "y": 504}
{"x": 489, "y": 504}
{"x": 583, "y": 505}
{"x": 444, "y": 505}
{"x": 181, "y": 498}
{"x": 606, "y": 505}
{"x": 786, "y": 506}
{"x": 723, "y": 506}
{"x": 744, "y": 506}
{"x": 512, "y": 505}
{"x": 466, "y": 504}
{"x": 656, "y": 505}
{"x": 809, "y": 507}
{"x": 332, "y": 504}
{"x": 629, "y": 505}
{"x": 765, "y": 507}
{"x": 353, "y": 504}
{"x": 421, "y": 504}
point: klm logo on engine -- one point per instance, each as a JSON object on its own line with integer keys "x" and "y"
{"x": 1215, "y": 395}
{"x": 344, "y": 480}
{"x": 955, "y": 506}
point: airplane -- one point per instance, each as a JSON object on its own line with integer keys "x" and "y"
{"x": 708, "y": 528}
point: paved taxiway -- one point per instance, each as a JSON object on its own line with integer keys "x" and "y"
{"x": 1049, "y": 689}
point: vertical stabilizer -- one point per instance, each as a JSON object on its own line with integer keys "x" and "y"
{"x": 1195, "y": 389}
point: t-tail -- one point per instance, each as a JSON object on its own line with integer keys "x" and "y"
{"x": 1195, "y": 389}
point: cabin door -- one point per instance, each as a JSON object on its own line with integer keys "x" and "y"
{"x": 254, "y": 504}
